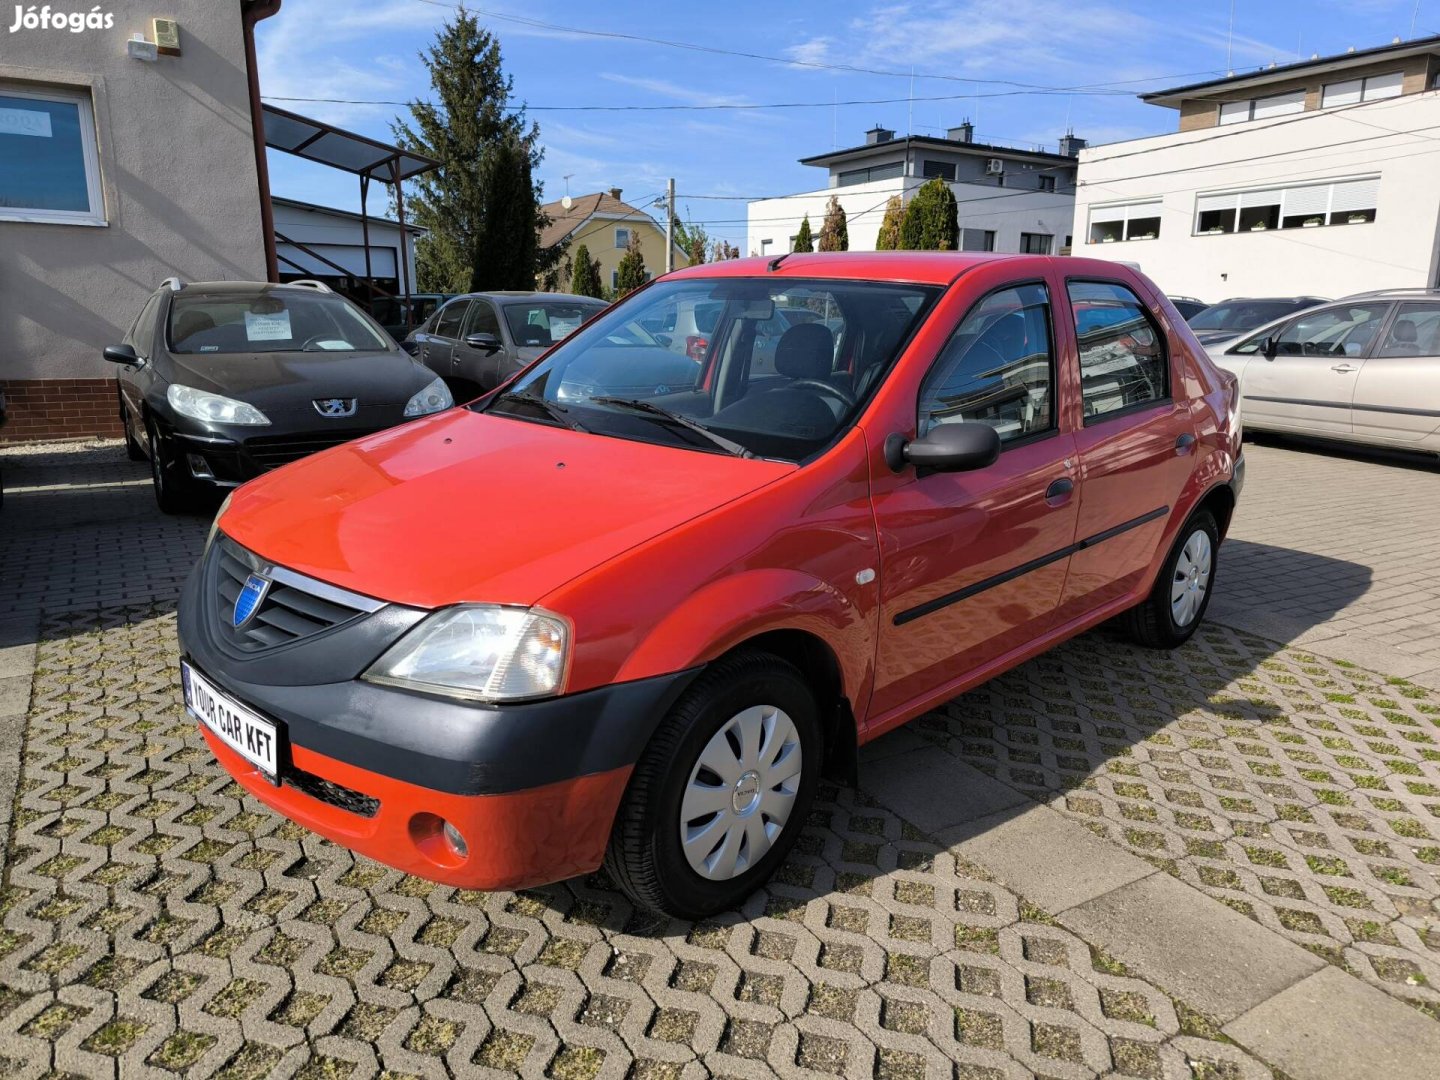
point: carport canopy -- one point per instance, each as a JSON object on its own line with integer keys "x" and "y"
{"x": 327, "y": 144}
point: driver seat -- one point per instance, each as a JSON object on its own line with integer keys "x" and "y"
{"x": 807, "y": 351}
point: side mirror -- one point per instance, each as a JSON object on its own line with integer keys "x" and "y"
{"x": 946, "y": 448}
{"x": 1270, "y": 346}
{"x": 484, "y": 342}
{"x": 122, "y": 354}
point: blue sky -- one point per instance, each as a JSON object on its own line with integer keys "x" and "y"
{"x": 972, "y": 51}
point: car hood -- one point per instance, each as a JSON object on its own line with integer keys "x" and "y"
{"x": 468, "y": 507}
{"x": 281, "y": 381}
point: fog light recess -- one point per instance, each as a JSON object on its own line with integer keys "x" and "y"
{"x": 199, "y": 467}
{"x": 438, "y": 840}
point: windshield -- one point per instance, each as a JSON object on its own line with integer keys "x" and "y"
{"x": 270, "y": 320}
{"x": 775, "y": 368}
{"x": 1242, "y": 315}
{"x": 542, "y": 323}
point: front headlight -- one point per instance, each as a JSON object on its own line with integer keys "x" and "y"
{"x": 212, "y": 408}
{"x": 480, "y": 652}
{"x": 433, "y": 398}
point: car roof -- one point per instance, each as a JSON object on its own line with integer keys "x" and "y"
{"x": 909, "y": 267}
{"x": 1272, "y": 300}
{"x": 515, "y": 296}
{"x": 251, "y": 287}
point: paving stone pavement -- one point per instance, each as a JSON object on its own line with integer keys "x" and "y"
{"x": 1333, "y": 550}
{"x": 157, "y": 921}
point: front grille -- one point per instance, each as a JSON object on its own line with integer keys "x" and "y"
{"x": 272, "y": 451}
{"x": 294, "y": 606}
{"x": 327, "y": 791}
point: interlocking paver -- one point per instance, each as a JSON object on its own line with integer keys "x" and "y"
{"x": 154, "y": 914}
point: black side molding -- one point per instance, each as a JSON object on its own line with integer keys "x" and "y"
{"x": 911, "y": 614}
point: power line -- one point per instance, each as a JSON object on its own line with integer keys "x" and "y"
{"x": 791, "y": 61}
{"x": 716, "y": 107}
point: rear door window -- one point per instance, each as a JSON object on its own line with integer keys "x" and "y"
{"x": 998, "y": 368}
{"x": 1123, "y": 360}
{"x": 451, "y": 316}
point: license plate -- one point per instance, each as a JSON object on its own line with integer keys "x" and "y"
{"x": 250, "y": 736}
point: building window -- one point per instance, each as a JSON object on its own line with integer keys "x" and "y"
{"x": 1266, "y": 108}
{"x": 1354, "y": 91}
{"x": 1036, "y": 243}
{"x": 875, "y": 172}
{"x": 1045, "y": 183}
{"x": 1303, "y": 206}
{"x": 977, "y": 239}
{"x": 765, "y": 246}
{"x": 945, "y": 170}
{"x": 622, "y": 238}
{"x": 1125, "y": 221}
{"x": 49, "y": 169}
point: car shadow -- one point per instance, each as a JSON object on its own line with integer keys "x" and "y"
{"x": 1399, "y": 458}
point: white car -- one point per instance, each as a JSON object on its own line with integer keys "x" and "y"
{"x": 1363, "y": 369}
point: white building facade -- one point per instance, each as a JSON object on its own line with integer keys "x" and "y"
{"x": 1008, "y": 199}
{"x": 329, "y": 245}
{"x": 1318, "y": 178}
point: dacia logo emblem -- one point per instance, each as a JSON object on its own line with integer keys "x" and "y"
{"x": 252, "y": 595}
{"x": 336, "y": 407}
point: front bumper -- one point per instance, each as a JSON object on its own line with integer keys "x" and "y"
{"x": 532, "y": 787}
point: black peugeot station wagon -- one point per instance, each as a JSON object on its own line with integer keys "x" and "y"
{"x": 222, "y": 381}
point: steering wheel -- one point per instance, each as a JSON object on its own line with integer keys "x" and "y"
{"x": 843, "y": 396}
{"x": 315, "y": 339}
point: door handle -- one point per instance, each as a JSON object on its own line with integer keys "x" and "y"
{"x": 1059, "y": 488}
{"x": 1184, "y": 443}
{"x": 1344, "y": 369}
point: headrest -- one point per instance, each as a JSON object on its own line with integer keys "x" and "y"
{"x": 806, "y": 351}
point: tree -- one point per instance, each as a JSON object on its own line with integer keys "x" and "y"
{"x": 932, "y": 219}
{"x": 697, "y": 243}
{"x": 888, "y": 238}
{"x": 803, "y": 240}
{"x": 509, "y": 238}
{"x": 479, "y": 137}
{"x": 630, "y": 274}
{"x": 834, "y": 234}
{"x": 722, "y": 250}
{"x": 585, "y": 274}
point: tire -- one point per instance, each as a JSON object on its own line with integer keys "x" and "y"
{"x": 133, "y": 450}
{"x": 1169, "y": 616}
{"x": 172, "y": 494}
{"x": 749, "y": 691}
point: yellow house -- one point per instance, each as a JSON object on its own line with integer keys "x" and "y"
{"x": 605, "y": 225}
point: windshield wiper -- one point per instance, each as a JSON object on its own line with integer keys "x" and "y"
{"x": 553, "y": 409}
{"x": 677, "y": 419}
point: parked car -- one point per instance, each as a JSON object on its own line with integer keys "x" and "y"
{"x": 1188, "y": 306}
{"x": 1365, "y": 369}
{"x": 1231, "y": 318}
{"x": 222, "y": 381}
{"x": 399, "y": 320}
{"x": 511, "y": 641}
{"x": 477, "y": 341}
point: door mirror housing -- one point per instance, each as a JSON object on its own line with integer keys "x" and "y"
{"x": 488, "y": 343}
{"x": 122, "y": 354}
{"x": 957, "y": 447}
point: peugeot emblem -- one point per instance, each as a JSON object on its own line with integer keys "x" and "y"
{"x": 336, "y": 407}
{"x": 252, "y": 595}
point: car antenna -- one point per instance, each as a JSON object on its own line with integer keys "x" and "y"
{"x": 775, "y": 262}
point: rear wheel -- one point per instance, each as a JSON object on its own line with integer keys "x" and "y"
{"x": 173, "y": 493}
{"x": 1173, "y": 610}
{"x": 722, "y": 790}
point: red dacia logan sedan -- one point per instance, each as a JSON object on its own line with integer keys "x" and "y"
{"x": 632, "y": 606}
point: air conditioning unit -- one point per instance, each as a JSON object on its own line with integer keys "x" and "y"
{"x": 994, "y": 167}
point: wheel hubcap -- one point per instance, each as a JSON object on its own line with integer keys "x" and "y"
{"x": 740, "y": 793}
{"x": 1192, "y": 578}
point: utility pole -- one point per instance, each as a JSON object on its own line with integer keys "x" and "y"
{"x": 670, "y": 225}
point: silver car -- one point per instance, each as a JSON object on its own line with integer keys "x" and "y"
{"x": 477, "y": 341}
{"x": 1362, "y": 369}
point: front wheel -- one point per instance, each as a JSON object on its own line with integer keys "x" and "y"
{"x": 172, "y": 493}
{"x": 722, "y": 790}
{"x": 1173, "y": 610}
